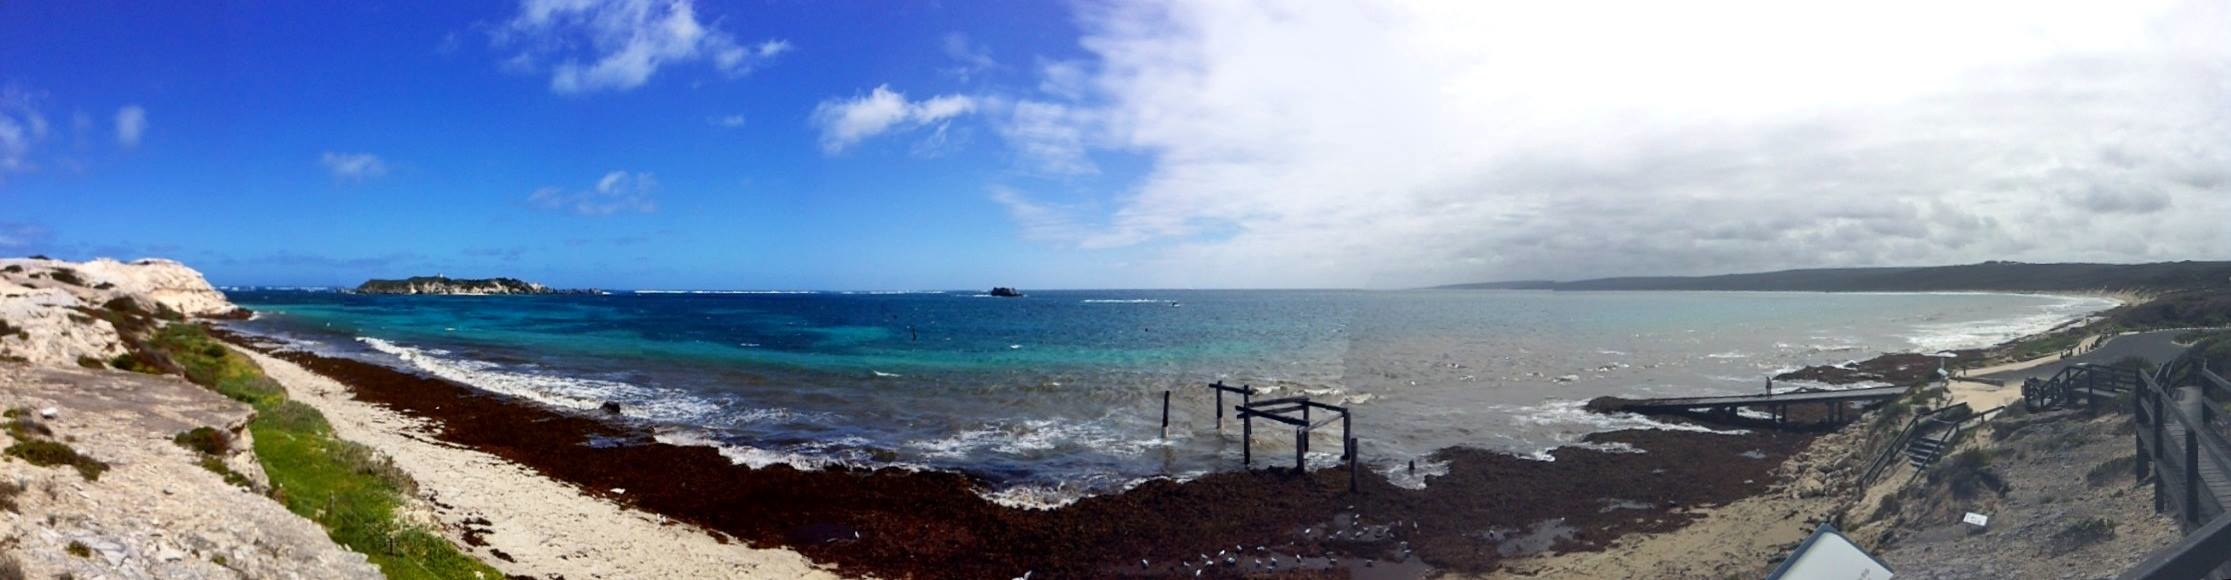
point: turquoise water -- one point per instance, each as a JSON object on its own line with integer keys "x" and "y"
{"x": 1058, "y": 394}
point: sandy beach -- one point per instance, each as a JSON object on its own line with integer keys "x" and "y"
{"x": 897, "y": 523}
{"x": 526, "y": 524}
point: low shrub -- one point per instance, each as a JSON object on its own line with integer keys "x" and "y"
{"x": 123, "y": 304}
{"x": 77, "y": 548}
{"x": 90, "y": 362}
{"x": 50, "y": 453}
{"x": 68, "y": 276}
{"x": 1968, "y": 474}
{"x": 132, "y": 362}
{"x": 8, "y": 492}
{"x": 2112, "y": 471}
{"x": 205, "y": 440}
{"x": 2084, "y": 532}
{"x": 12, "y": 269}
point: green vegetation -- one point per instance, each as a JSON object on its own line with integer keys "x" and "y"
{"x": 77, "y": 548}
{"x": 12, "y": 269}
{"x": 132, "y": 362}
{"x": 50, "y": 453}
{"x": 68, "y": 276}
{"x": 217, "y": 465}
{"x": 205, "y": 440}
{"x": 350, "y": 489}
{"x": 2044, "y": 345}
{"x": 33, "y": 445}
{"x": 90, "y": 362}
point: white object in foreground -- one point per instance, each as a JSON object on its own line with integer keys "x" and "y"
{"x": 1828, "y": 555}
{"x": 1976, "y": 519}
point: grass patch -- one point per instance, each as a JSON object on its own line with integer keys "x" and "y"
{"x": 217, "y": 466}
{"x": 2044, "y": 345}
{"x": 77, "y": 548}
{"x": 350, "y": 489}
{"x": 68, "y": 276}
{"x": 90, "y": 362}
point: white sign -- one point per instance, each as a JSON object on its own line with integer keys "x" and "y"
{"x": 1979, "y": 520}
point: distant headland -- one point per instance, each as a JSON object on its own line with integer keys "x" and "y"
{"x": 2152, "y": 279}
{"x": 444, "y": 285}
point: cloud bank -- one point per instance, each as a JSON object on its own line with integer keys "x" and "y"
{"x": 1409, "y": 143}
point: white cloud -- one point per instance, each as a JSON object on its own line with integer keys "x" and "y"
{"x": 617, "y": 45}
{"x": 353, "y": 166}
{"x": 616, "y": 192}
{"x": 969, "y": 59}
{"x": 846, "y": 122}
{"x": 131, "y": 123}
{"x": 1051, "y": 136}
{"x": 1403, "y": 143}
{"x": 21, "y": 127}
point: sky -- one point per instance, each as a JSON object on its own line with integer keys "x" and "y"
{"x": 796, "y": 144}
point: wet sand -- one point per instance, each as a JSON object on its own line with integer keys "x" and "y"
{"x": 1491, "y": 506}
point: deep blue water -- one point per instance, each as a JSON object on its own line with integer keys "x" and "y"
{"x": 1058, "y": 394}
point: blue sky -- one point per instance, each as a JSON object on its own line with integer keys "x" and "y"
{"x": 891, "y": 145}
{"x": 244, "y": 104}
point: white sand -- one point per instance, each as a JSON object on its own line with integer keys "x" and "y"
{"x": 547, "y": 527}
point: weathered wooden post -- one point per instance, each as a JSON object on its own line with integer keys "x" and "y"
{"x": 1219, "y": 388}
{"x": 1352, "y": 464}
{"x": 1165, "y": 414}
{"x": 2192, "y": 478}
{"x": 2161, "y": 452}
{"x": 1246, "y": 439}
{"x": 1348, "y": 453}
{"x": 1301, "y": 449}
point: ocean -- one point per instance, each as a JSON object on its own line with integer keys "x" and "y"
{"x": 1058, "y": 395}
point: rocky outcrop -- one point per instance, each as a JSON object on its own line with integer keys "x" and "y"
{"x": 48, "y": 307}
{"x": 443, "y": 285}
{"x": 157, "y": 511}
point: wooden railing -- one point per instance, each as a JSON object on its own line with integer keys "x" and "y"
{"x": 2181, "y": 448}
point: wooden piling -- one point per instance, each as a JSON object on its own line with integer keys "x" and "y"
{"x": 1247, "y": 440}
{"x": 1352, "y": 462}
{"x": 1301, "y": 449}
{"x": 1165, "y": 414}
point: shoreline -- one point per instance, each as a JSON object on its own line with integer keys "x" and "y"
{"x": 890, "y": 522}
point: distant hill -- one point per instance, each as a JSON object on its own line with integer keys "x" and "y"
{"x": 1995, "y": 276}
{"x": 447, "y": 285}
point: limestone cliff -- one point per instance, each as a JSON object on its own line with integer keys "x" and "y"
{"x": 48, "y": 307}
